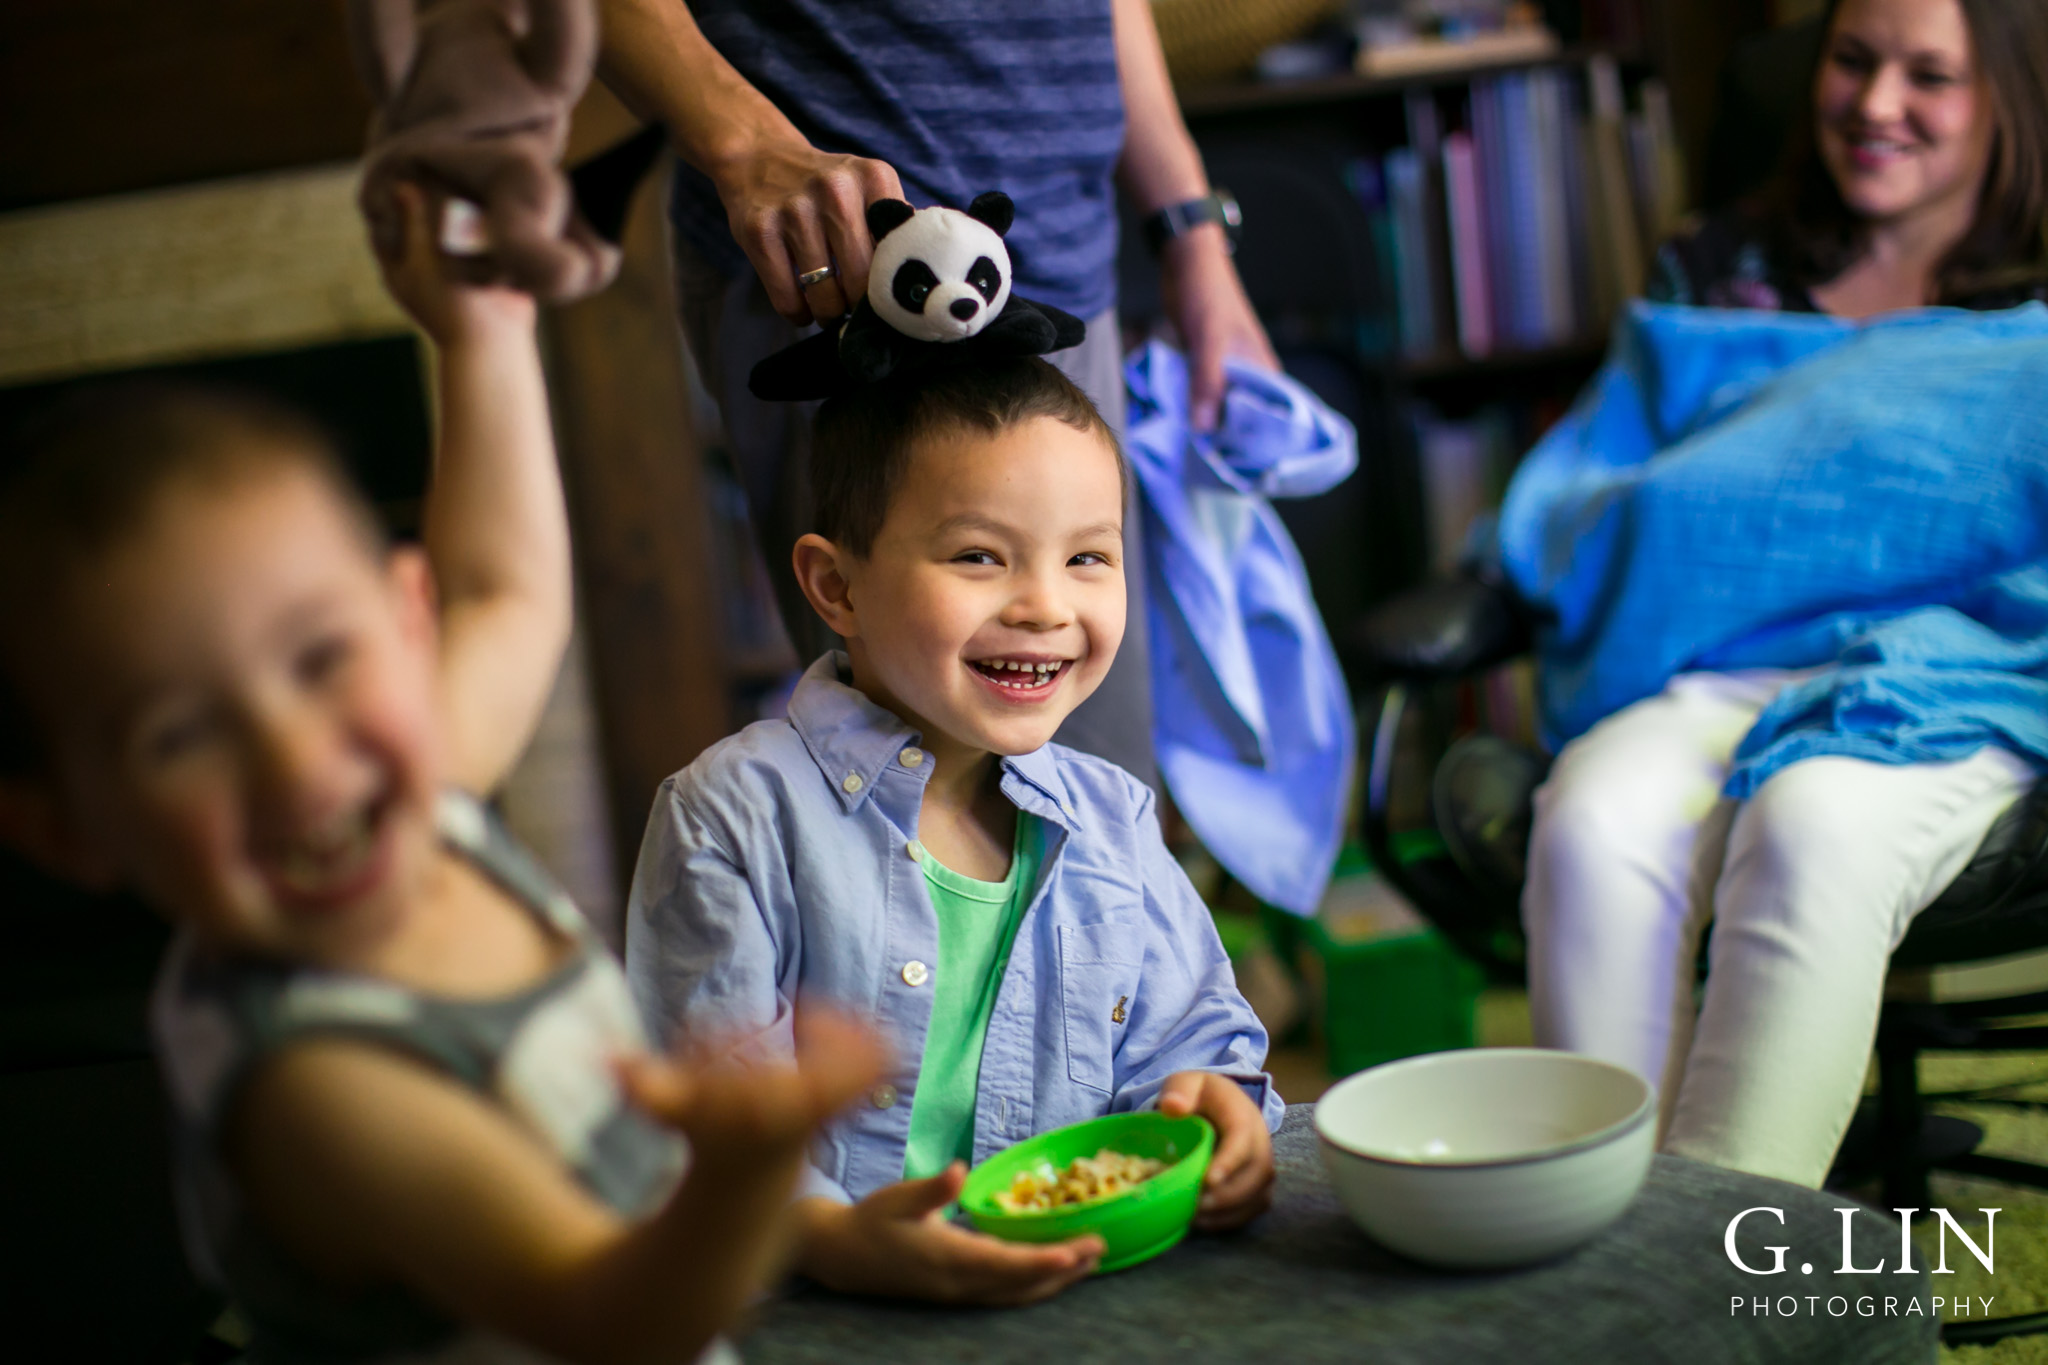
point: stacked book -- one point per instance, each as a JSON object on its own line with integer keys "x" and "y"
{"x": 1522, "y": 221}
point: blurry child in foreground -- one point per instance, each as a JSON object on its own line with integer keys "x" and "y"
{"x": 413, "y": 1114}
{"x": 910, "y": 839}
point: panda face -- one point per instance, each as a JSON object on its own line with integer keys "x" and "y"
{"x": 939, "y": 276}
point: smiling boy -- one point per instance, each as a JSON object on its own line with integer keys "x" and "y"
{"x": 910, "y": 844}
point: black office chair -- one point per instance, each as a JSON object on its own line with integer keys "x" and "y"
{"x": 1479, "y": 805}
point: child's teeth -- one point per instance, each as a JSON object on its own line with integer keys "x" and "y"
{"x": 332, "y": 855}
{"x": 1029, "y": 673}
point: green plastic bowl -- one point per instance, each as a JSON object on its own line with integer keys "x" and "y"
{"x": 1134, "y": 1225}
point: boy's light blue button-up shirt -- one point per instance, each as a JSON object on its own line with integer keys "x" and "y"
{"x": 779, "y": 867}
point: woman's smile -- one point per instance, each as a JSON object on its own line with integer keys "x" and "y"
{"x": 1903, "y": 125}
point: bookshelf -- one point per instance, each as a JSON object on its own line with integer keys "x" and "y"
{"x": 1451, "y": 325}
{"x": 1204, "y": 102}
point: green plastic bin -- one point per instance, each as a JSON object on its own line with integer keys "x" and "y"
{"x": 1378, "y": 999}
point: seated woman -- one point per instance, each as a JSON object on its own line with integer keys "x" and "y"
{"x": 1923, "y": 180}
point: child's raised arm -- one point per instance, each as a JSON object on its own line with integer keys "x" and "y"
{"x": 496, "y": 530}
{"x": 372, "y": 1170}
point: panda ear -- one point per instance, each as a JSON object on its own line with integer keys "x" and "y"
{"x": 995, "y": 209}
{"x": 886, "y": 215}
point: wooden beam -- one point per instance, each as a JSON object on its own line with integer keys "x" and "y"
{"x": 111, "y": 96}
{"x": 631, "y": 462}
{"x": 266, "y": 263}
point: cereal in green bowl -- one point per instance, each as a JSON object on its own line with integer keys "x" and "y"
{"x": 1097, "y": 1177}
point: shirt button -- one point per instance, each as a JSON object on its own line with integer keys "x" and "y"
{"x": 915, "y": 850}
{"x": 915, "y": 973}
{"x": 853, "y": 782}
{"x": 912, "y": 756}
{"x": 883, "y": 1097}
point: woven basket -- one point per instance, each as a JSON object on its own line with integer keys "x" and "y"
{"x": 1210, "y": 40}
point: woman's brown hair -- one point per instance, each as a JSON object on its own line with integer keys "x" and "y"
{"x": 2006, "y": 247}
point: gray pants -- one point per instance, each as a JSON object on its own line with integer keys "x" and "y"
{"x": 729, "y": 325}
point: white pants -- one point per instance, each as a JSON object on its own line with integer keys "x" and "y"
{"x": 1810, "y": 884}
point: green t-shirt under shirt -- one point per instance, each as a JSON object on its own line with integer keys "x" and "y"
{"x": 977, "y": 923}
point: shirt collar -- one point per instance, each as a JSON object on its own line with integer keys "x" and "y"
{"x": 852, "y": 740}
{"x": 1033, "y": 783}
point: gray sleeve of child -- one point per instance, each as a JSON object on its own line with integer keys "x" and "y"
{"x": 705, "y": 947}
{"x": 1205, "y": 1024}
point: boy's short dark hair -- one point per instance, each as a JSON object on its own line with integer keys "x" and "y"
{"x": 83, "y": 475}
{"x": 861, "y": 442}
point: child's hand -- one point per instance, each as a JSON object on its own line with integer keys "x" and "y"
{"x": 750, "y": 1115}
{"x": 428, "y": 283}
{"x": 1239, "y": 1184}
{"x": 896, "y": 1242}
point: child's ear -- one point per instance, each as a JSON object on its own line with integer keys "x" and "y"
{"x": 821, "y": 573}
{"x": 33, "y": 823}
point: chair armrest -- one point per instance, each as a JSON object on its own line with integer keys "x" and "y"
{"x": 1441, "y": 630}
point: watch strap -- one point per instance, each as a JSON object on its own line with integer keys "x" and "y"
{"x": 1176, "y": 220}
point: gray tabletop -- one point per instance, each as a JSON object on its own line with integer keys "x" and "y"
{"x": 1303, "y": 1284}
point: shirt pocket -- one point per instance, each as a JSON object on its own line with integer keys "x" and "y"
{"x": 1099, "y": 968}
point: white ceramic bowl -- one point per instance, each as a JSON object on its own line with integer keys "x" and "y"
{"x": 1487, "y": 1157}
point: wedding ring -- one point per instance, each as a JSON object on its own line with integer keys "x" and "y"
{"x": 818, "y": 276}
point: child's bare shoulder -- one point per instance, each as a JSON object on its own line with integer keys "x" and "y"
{"x": 364, "y": 1127}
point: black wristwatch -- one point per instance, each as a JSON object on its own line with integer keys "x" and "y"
{"x": 1217, "y": 206}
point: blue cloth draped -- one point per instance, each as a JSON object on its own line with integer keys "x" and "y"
{"x": 1744, "y": 490}
{"x": 1252, "y": 719}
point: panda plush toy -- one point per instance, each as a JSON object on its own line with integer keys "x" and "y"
{"x": 939, "y": 290}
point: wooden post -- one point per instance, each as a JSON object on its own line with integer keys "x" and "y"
{"x": 631, "y": 463}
